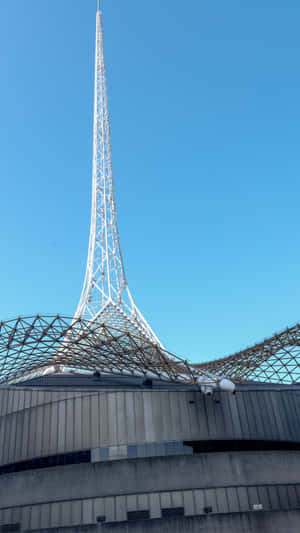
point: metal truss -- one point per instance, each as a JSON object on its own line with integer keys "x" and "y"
{"x": 108, "y": 332}
{"x": 37, "y": 345}
{"x": 275, "y": 360}
{"x": 105, "y": 296}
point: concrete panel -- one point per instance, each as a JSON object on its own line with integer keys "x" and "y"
{"x": 16, "y": 515}
{"x": 45, "y": 516}
{"x": 154, "y": 506}
{"x": 10, "y": 402}
{"x": 39, "y": 431}
{"x": 95, "y": 429}
{"x": 66, "y": 514}
{"x": 184, "y": 416}
{"x": 193, "y": 416}
{"x": 165, "y": 500}
{"x": 219, "y": 414}
{"x": 87, "y": 512}
{"x": 99, "y": 508}
{"x": 69, "y": 424}
{"x": 292, "y": 413}
{"x": 177, "y": 499}
{"x": 5, "y": 441}
{"x": 15, "y": 403}
{"x": 131, "y": 503}
{"x": 76, "y": 512}
{"x": 103, "y": 414}
{"x": 53, "y": 430}
{"x": 253, "y": 496}
{"x": 294, "y": 502}
{"x": 139, "y": 417}
{"x": 199, "y": 501}
{"x": 148, "y": 417}
{"x": 86, "y": 422}
{"x": 189, "y": 503}
{"x": 142, "y": 502}
{"x": 232, "y": 498}
{"x": 26, "y": 515}
{"x": 121, "y": 511}
{"x": 34, "y": 398}
{"x": 3, "y": 401}
{"x": 27, "y": 399}
{"x": 46, "y": 428}
{"x": 225, "y": 405}
{"x": 7, "y": 516}
{"x": 264, "y": 497}
{"x": 283, "y": 497}
{"x": 222, "y": 501}
{"x": 250, "y": 412}
{"x": 243, "y": 499}
{"x": 233, "y": 408}
{"x": 112, "y": 418}
{"x": 274, "y": 430}
{"x": 19, "y": 436}
{"x": 32, "y": 432}
{"x": 55, "y": 514}
{"x": 26, "y": 415}
{"x": 176, "y": 431}
{"x": 165, "y": 416}
{"x": 2, "y": 434}
{"x": 274, "y": 498}
{"x": 121, "y": 419}
{"x": 12, "y": 439}
{"x": 157, "y": 415}
{"x": 78, "y": 424}
{"x": 279, "y": 422}
{"x": 109, "y": 509}
{"x": 130, "y": 417}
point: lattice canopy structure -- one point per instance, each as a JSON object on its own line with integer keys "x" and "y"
{"x": 108, "y": 332}
{"x": 275, "y": 360}
{"x": 36, "y": 345}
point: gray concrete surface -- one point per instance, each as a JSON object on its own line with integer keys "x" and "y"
{"x": 36, "y": 422}
{"x": 149, "y": 475}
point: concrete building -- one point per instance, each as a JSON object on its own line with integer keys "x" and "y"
{"x": 103, "y": 452}
{"x": 107, "y": 453}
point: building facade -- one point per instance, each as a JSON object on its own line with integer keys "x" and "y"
{"x": 101, "y": 453}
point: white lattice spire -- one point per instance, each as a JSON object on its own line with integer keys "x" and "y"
{"x": 105, "y": 295}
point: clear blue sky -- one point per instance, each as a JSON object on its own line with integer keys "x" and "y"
{"x": 204, "y": 104}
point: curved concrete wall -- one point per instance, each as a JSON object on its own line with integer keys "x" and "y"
{"x": 140, "y": 462}
{"x": 76, "y": 496}
{"x": 138, "y": 476}
{"x": 35, "y": 423}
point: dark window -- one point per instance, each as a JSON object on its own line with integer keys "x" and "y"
{"x": 138, "y": 515}
{"x": 207, "y": 446}
{"x": 132, "y": 451}
{"x": 9, "y": 528}
{"x": 46, "y": 462}
{"x": 168, "y": 512}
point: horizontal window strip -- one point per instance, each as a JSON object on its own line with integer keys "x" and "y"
{"x": 46, "y": 462}
{"x": 153, "y": 449}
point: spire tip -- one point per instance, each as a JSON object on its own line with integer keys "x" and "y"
{"x": 98, "y": 5}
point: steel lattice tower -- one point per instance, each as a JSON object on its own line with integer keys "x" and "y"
{"x": 105, "y": 296}
{"x": 107, "y": 332}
